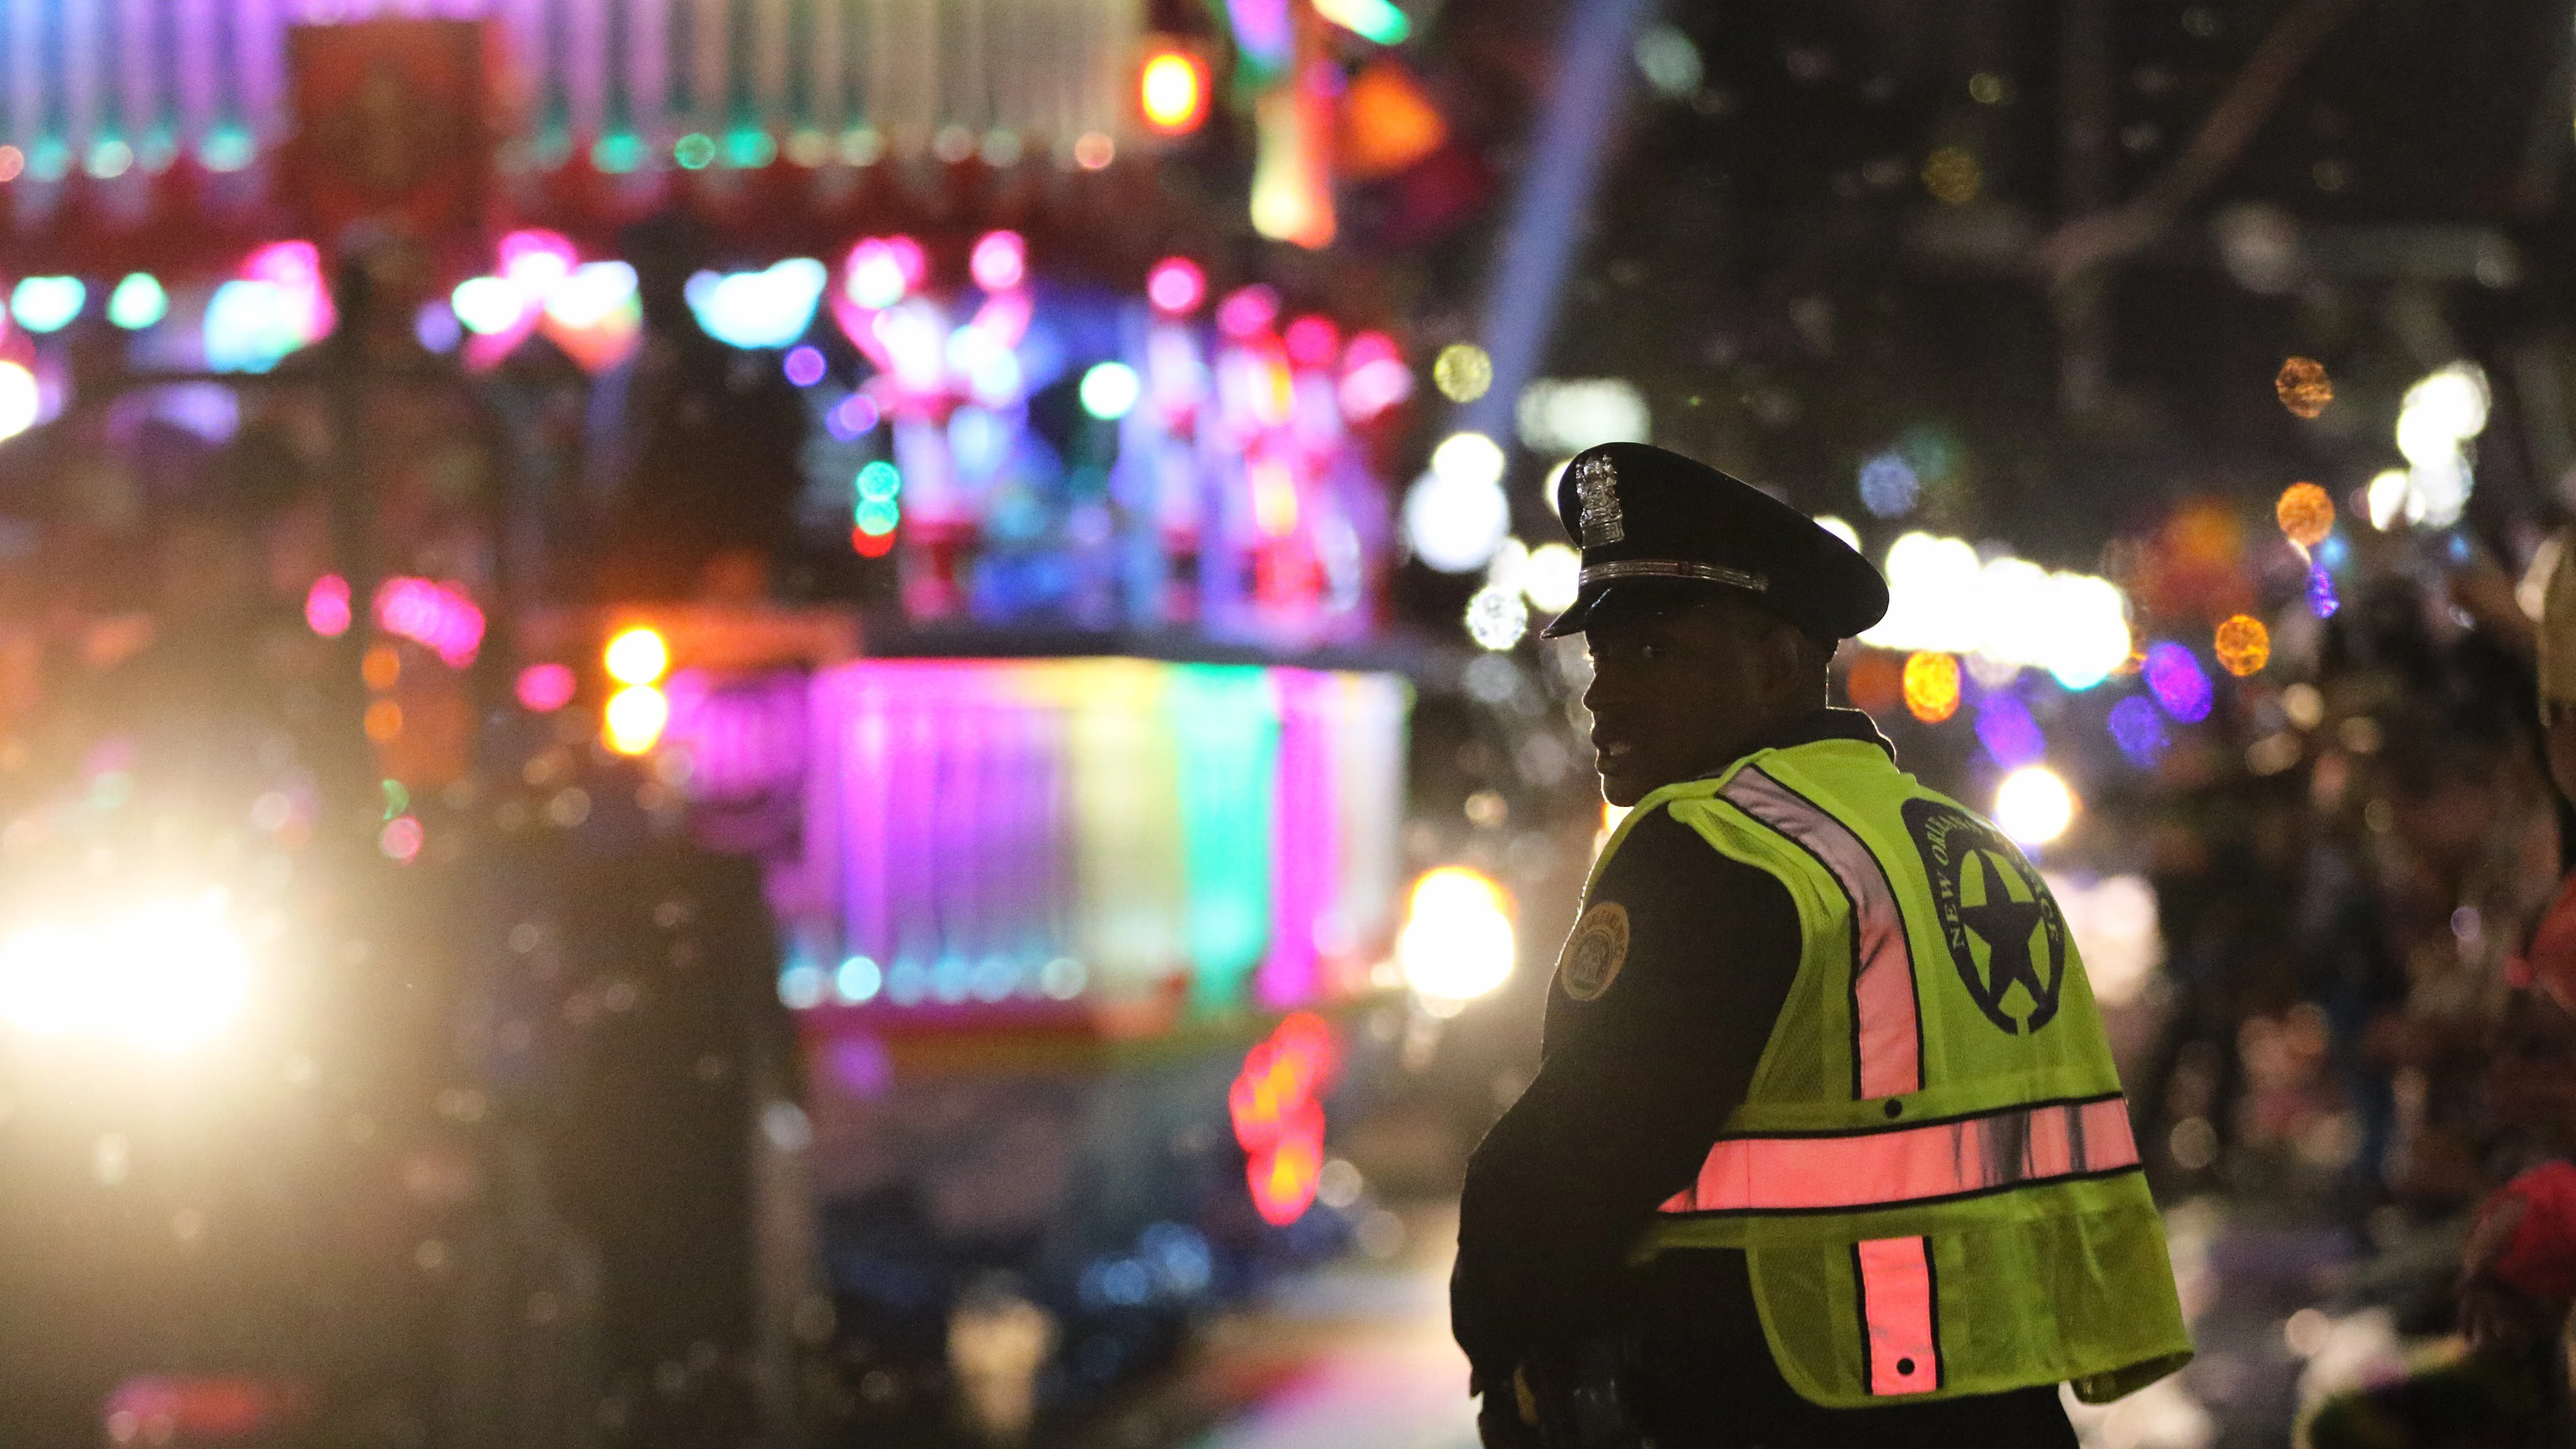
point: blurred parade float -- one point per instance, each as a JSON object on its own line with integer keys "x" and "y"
{"x": 880, "y": 444}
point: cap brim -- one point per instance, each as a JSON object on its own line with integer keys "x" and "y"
{"x": 1634, "y": 599}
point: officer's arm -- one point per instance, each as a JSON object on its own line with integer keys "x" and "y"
{"x": 1634, "y": 1088}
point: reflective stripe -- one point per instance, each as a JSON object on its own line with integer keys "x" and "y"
{"x": 2016, "y": 1147}
{"x": 1887, "y": 1038}
{"x": 1896, "y": 1306}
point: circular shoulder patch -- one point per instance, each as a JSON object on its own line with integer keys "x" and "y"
{"x": 1595, "y": 952}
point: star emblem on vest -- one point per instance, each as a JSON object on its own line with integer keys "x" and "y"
{"x": 2004, "y": 930}
{"x": 1596, "y": 483}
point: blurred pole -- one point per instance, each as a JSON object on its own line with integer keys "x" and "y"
{"x": 2084, "y": 187}
{"x": 1552, "y": 213}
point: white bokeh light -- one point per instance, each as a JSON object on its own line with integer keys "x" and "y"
{"x": 1552, "y": 578}
{"x": 1468, "y": 457}
{"x": 1457, "y": 943}
{"x": 2033, "y": 806}
{"x": 2004, "y": 613}
{"x": 1455, "y": 523}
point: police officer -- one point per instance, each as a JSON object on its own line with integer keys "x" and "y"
{"x": 1826, "y": 1146}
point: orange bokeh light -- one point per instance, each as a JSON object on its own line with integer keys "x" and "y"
{"x": 2304, "y": 387}
{"x": 1932, "y": 686}
{"x": 2306, "y": 514}
{"x": 2243, "y": 645}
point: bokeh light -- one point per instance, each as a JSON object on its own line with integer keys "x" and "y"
{"x": 2005, "y": 727}
{"x": 2177, "y": 681}
{"x": 1000, "y": 261}
{"x": 803, "y": 365}
{"x": 2033, "y": 806}
{"x": 1932, "y": 686}
{"x": 1552, "y": 577}
{"x": 545, "y": 688}
{"x": 875, "y": 276}
{"x": 1462, "y": 372}
{"x": 2138, "y": 727}
{"x": 768, "y": 308}
{"x": 2303, "y": 386}
{"x": 2008, "y": 611}
{"x": 21, "y": 401}
{"x": 47, "y": 304}
{"x": 1952, "y": 175}
{"x": 634, "y": 719}
{"x": 401, "y": 839}
{"x": 1172, "y": 91}
{"x": 1468, "y": 457}
{"x": 138, "y": 302}
{"x": 1454, "y": 524}
{"x": 637, "y": 656}
{"x": 1457, "y": 943}
{"x": 1110, "y": 390}
{"x": 2322, "y": 598}
{"x": 2306, "y": 514}
{"x": 1889, "y": 486}
{"x": 326, "y": 606}
{"x": 1497, "y": 618}
{"x": 1312, "y": 341}
{"x": 852, "y": 417}
{"x": 2243, "y": 645}
{"x": 1176, "y": 286}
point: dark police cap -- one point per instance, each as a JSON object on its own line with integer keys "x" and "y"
{"x": 1659, "y": 531}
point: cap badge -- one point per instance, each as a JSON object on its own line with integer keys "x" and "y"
{"x": 1596, "y": 484}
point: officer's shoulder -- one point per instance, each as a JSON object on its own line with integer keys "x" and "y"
{"x": 1658, "y": 846}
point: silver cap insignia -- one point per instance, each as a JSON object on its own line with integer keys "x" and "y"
{"x": 1596, "y": 485}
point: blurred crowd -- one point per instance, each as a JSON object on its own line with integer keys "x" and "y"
{"x": 2364, "y": 1016}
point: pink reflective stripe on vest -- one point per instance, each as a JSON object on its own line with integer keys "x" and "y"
{"x": 1896, "y": 1313}
{"x": 2018, "y": 1147}
{"x": 1887, "y": 1045}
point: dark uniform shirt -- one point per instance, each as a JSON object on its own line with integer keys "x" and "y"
{"x": 1633, "y": 1087}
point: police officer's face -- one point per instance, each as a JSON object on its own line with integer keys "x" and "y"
{"x": 1677, "y": 695}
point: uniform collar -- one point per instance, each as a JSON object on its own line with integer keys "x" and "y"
{"x": 1827, "y": 723}
{"x": 1831, "y": 723}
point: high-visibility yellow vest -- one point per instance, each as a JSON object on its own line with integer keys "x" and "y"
{"x": 1932, "y": 1175}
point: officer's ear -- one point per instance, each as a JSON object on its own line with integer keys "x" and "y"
{"x": 1787, "y": 656}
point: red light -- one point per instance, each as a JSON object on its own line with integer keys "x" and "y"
{"x": 1176, "y": 285}
{"x": 1247, "y": 312}
{"x": 1172, "y": 90}
{"x": 1312, "y": 341}
{"x": 1277, "y": 1118}
{"x": 871, "y": 545}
